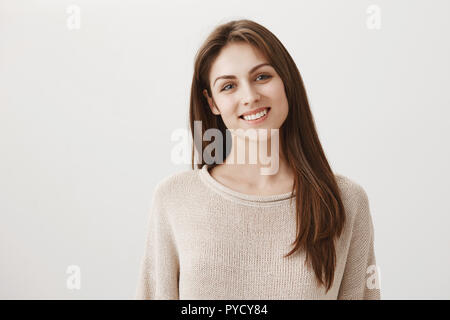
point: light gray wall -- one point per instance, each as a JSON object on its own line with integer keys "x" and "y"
{"x": 86, "y": 118}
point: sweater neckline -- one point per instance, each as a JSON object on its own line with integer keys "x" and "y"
{"x": 243, "y": 198}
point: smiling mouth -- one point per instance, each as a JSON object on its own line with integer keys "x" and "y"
{"x": 256, "y": 116}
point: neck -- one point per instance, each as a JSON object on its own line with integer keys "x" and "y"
{"x": 259, "y": 163}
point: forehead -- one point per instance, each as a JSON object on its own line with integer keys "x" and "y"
{"x": 236, "y": 58}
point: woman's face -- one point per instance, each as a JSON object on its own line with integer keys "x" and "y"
{"x": 243, "y": 84}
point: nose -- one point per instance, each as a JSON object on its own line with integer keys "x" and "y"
{"x": 249, "y": 95}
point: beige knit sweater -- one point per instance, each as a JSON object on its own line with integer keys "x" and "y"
{"x": 207, "y": 241}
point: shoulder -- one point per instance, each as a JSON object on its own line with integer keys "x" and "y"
{"x": 178, "y": 183}
{"x": 350, "y": 187}
{"x": 353, "y": 195}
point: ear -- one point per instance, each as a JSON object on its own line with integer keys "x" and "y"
{"x": 211, "y": 103}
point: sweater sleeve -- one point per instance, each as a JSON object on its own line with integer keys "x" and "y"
{"x": 159, "y": 268}
{"x": 361, "y": 275}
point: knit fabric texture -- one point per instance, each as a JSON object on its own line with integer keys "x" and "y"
{"x": 207, "y": 241}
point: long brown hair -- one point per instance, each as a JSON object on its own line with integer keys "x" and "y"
{"x": 319, "y": 210}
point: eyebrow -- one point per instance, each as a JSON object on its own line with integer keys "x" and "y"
{"x": 234, "y": 77}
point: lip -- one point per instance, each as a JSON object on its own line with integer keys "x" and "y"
{"x": 257, "y": 120}
{"x": 254, "y": 111}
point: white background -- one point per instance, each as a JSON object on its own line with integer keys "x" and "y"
{"x": 86, "y": 117}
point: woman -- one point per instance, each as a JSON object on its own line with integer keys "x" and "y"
{"x": 230, "y": 230}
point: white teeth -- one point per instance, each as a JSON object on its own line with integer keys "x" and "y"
{"x": 256, "y": 116}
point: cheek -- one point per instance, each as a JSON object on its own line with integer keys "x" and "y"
{"x": 275, "y": 90}
{"x": 227, "y": 105}
{"x": 278, "y": 98}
